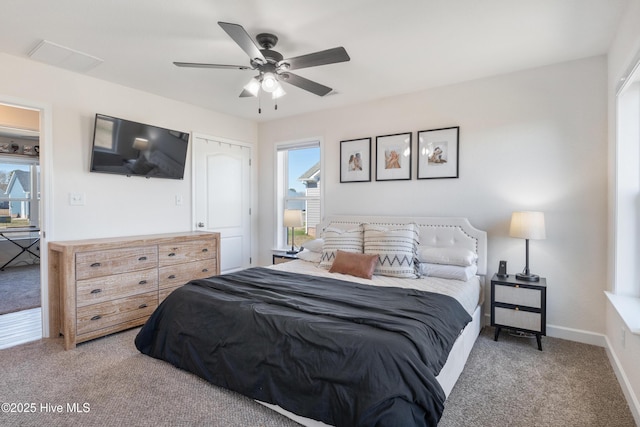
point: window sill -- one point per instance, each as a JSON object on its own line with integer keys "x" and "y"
{"x": 628, "y": 308}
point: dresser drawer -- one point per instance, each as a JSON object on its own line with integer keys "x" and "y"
{"x": 114, "y": 261}
{"x": 518, "y": 319}
{"x": 177, "y": 275}
{"x": 109, "y": 313}
{"x": 518, "y": 296}
{"x": 194, "y": 250}
{"x": 100, "y": 289}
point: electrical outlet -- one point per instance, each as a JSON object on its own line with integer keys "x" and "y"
{"x": 76, "y": 199}
{"x": 178, "y": 200}
{"x": 623, "y": 334}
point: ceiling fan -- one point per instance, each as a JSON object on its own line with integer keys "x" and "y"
{"x": 272, "y": 66}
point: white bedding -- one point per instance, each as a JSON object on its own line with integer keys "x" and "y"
{"x": 468, "y": 294}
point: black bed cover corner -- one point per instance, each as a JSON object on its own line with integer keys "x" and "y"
{"x": 335, "y": 351}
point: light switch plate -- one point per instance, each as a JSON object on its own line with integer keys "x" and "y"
{"x": 76, "y": 199}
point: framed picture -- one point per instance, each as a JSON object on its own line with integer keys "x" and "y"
{"x": 438, "y": 153}
{"x": 393, "y": 157}
{"x": 355, "y": 160}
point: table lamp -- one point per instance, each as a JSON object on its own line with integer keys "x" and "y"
{"x": 527, "y": 225}
{"x": 292, "y": 218}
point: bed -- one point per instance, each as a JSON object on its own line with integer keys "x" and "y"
{"x": 323, "y": 345}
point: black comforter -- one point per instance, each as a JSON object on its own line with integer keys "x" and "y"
{"x": 335, "y": 351}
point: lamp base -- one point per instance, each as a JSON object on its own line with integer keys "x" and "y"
{"x": 292, "y": 252}
{"x": 528, "y": 277}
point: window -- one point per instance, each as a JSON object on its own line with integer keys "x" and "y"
{"x": 19, "y": 193}
{"x": 627, "y": 201}
{"x": 298, "y": 167}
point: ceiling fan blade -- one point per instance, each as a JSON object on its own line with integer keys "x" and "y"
{"x": 245, "y": 94}
{"x": 306, "y": 84}
{"x": 200, "y": 65}
{"x": 329, "y": 56}
{"x": 240, "y": 36}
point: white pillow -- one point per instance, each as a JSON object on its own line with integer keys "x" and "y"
{"x": 395, "y": 247}
{"x": 445, "y": 271}
{"x": 449, "y": 255}
{"x": 344, "y": 240}
{"x": 314, "y": 245}
{"x": 307, "y": 255}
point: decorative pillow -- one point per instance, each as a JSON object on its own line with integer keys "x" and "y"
{"x": 396, "y": 249}
{"x": 445, "y": 271}
{"x": 307, "y": 255}
{"x": 451, "y": 256}
{"x": 359, "y": 265}
{"x": 344, "y": 240}
{"x": 314, "y": 245}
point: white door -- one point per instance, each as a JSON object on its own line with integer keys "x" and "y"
{"x": 222, "y": 197}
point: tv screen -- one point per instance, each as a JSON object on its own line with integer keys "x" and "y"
{"x": 135, "y": 149}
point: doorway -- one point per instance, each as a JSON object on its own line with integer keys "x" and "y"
{"x": 222, "y": 196}
{"x": 24, "y": 308}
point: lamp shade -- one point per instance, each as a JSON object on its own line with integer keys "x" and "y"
{"x": 292, "y": 218}
{"x": 140, "y": 144}
{"x": 527, "y": 225}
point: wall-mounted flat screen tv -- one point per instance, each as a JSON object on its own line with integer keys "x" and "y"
{"x": 135, "y": 149}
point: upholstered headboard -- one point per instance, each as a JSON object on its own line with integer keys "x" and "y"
{"x": 434, "y": 231}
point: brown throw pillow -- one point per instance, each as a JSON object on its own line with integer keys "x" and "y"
{"x": 359, "y": 265}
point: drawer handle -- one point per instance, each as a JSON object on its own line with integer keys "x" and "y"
{"x": 95, "y": 264}
{"x": 517, "y": 308}
{"x": 204, "y": 270}
{"x": 96, "y": 317}
{"x": 96, "y": 291}
{"x": 142, "y": 282}
{"x": 142, "y": 258}
{"x": 173, "y": 276}
{"x": 172, "y": 254}
{"x": 205, "y": 250}
{"x": 142, "y": 306}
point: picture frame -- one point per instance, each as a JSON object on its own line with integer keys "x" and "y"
{"x": 393, "y": 157}
{"x": 355, "y": 160}
{"x": 438, "y": 153}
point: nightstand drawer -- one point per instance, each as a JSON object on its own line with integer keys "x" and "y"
{"x": 518, "y": 319}
{"x": 517, "y": 296}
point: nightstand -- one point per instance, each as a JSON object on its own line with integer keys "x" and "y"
{"x": 282, "y": 256}
{"x": 519, "y": 305}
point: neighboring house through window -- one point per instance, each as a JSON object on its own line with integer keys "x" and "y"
{"x": 19, "y": 193}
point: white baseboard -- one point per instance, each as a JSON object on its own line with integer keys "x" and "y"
{"x": 577, "y": 335}
{"x": 625, "y": 385}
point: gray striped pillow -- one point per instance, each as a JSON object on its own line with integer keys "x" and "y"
{"x": 396, "y": 248}
{"x": 336, "y": 239}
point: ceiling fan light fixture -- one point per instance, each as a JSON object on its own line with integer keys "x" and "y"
{"x": 278, "y": 93}
{"x": 253, "y": 87}
{"x": 269, "y": 82}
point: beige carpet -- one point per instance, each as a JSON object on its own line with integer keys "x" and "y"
{"x": 508, "y": 383}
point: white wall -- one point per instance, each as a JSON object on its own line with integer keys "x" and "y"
{"x": 625, "y": 355}
{"x": 115, "y": 205}
{"x": 529, "y": 140}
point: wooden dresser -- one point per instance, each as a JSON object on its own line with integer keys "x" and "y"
{"x": 101, "y": 286}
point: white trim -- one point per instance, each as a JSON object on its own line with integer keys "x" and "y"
{"x": 623, "y": 380}
{"x": 309, "y": 142}
{"x": 46, "y": 193}
{"x": 577, "y": 335}
{"x": 628, "y": 309}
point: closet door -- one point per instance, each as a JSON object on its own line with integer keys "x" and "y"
{"x": 222, "y": 197}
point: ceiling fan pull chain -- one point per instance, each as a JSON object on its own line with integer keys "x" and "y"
{"x": 259, "y": 104}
